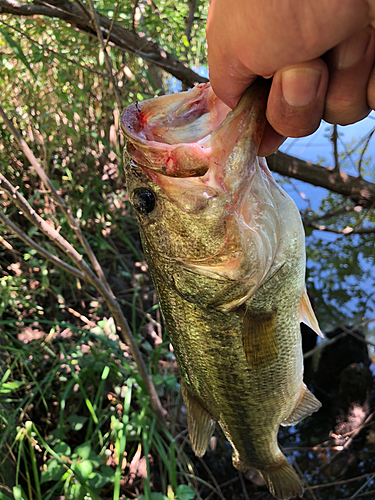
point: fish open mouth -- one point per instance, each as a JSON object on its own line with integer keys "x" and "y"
{"x": 182, "y": 135}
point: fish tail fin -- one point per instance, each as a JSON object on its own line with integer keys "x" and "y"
{"x": 282, "y": 480}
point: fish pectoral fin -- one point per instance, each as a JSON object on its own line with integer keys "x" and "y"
{"x": 201, "y": 425}
{"x": 307, "y": 315}
{"x": 306, "y": 405}
{"x": 259, "y": 339}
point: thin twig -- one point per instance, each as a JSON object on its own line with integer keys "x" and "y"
{"x": 365, "y": 214}
{"x": 323, "y": 345}
{"x": 206, "y": 483}
{"x": 190, "y": 19}
{"x": 346, "y": 331}
{"x": 124, "y": 332}
{"x": 347, "y": 230}
{"x": 44, "y": 253}
{"x": 246, "y": 495}
{"x": 107, "y": 59}
{"x": 336, "y": 483}
{"x": 213, "y": 479}
{"x": 370, "y": 493}
{"x": 329, "y": 215}
{"x": 334, "y": 139}
{"x": 346, "y": 445}
{"x": 303, "y": 479}
{"x": 45, "y": 47}
{"x": 60, "y": 202}
{"x": 134, "y": 24}
{"x": 362, "y": 487}
{"x": 112, "y": 24}
{"x": 83, "y": 8}
{"x": 363, "y": 152}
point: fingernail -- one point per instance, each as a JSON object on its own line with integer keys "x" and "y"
{"x": 300, "y": 85}
{"x": 351, "y": 51}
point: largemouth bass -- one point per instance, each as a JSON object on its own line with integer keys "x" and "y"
{"x": 225, "y": 247}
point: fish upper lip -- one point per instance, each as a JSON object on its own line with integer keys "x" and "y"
{"x": 185, "y": 136}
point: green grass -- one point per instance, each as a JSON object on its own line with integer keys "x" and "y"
{"x": 81, "y": 416}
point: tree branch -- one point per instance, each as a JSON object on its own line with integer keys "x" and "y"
{"x": 124, "y": 333}
{"x": 56, "y": 197}
{"x": 345, "y": 230}
{"x": 122, "y": 38}
{"x": 362, "y": 192}
{"x": 44, "y": 253}
{"x": 107, "y": 59}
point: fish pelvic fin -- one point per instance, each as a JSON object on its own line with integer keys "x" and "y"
{"x": 282, "y": 480}
{"x": 201, "y": 425}
{"x": 306, "y": 405}
{"x": 307, "y": 315}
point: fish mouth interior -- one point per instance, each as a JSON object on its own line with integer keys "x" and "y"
{"x": 175, "y": 120}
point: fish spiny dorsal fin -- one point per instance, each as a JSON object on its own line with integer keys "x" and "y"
{"x": 282, "y": 480}
{"x": 305, "y": 406}
{"x": 200, "y": 423}
{"x": 259, "y": 339}
{"x": 307, "y": 315}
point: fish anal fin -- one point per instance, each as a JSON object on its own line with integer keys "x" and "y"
{"x": 306, "y": 405}
{"x": 259, "y": 339}
{"x": 201, "y": 425}
{"x": 307, "y": 315}
{"x": 282, "y": 480}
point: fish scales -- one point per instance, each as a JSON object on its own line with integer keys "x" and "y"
{"x": 225, "y": 247}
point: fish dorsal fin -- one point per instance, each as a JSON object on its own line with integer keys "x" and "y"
{"x": 307, "y": 315}
{"x": 201, "y": 425}
{"x": 305, "y": 406}
{"x": 259, "y": 339}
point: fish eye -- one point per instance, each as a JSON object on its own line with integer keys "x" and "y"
{"x": 144, "y": 200}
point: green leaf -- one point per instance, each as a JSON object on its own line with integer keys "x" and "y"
{"x": 84, "y": 468}
{"x": 98, "y": 480}
{"x": 53, "y": 472}
{"x": 62, "y": 449}
{"x": 17, "y": 50}
{"x": 107, "y": 472}
{"x": 4, "y": 497}
{"x": 83, "y": 450}
{"x": 184, "y": 492}
{"x": 185, "y": 40}
{"x": 158, "y": 496}
{"x": 77, "y": 422}
{"x": 8, "y": 387}
{"x": 18, "y": 493}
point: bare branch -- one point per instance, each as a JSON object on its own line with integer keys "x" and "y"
{"x": 364, "y": 151}
{"x": 107, "y": 59}
{"x": 346, "y": 230}
{"x": 124, "y": 333}
{"x": 60, "y": 202}
{"x": 44, "y": 253}
{"x": 335, "y": 483}
{"x": 362, "y": 192}
{"x": 112, "y": 22}
{"x": 190, "y": 19}
{"x": 334, "y": 139}
{"x": 330, "y": 215}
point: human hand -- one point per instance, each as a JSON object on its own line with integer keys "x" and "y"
{"x": 321, "y": 55}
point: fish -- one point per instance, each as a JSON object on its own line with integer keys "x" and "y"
{"x": 226, "y": 251}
